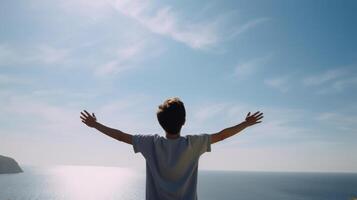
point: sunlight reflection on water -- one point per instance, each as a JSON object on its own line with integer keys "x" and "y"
{"x": 84, "y": 182}
{"x": 73, "y": 183}
{"x": 113, "y": 183}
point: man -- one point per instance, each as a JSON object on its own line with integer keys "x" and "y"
{"x": 171, "y": 161}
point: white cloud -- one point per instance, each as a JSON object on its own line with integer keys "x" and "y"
{"x": 245, "y": 69}
{"x": 7, "y": 55}
{"x": 112, "y": 67}
{"x": 344, "y": 83}
{"x": 278, "y": 123}
{"x": 6, "y": 79}
{"x": 206, "y": 112}
{"x": 48, "y": 54}
{"x": 39, "y": 54}
{"x": 42, "y": 117}
{"x": 131, "y": 51}
{"x": 128, "y": 57}
{"x": 249, "y": 25}
{"x": 132, "y": 113}
{"x": 332, "y": 80}
{"x": 124, "y": 58}
{"x": 94, "y": 9}
{"x": 165, "y": 22}
{"x": 324, "y": 77}
{"x": 341, "y": 121}
{"x": 159, "y": 20}
{"x": 5, "y": 52}
{"x": 38, "y": 131}
{"x": 279, "y": 83}
{"x": 56, "y": 117}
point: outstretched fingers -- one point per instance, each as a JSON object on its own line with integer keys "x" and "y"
{"x": 260, "y": 114}
{"x": 256, "y": 113}
{"x": 89, "y": 115}
{"x": 259, "y": 117}
{"x": 255, "y": 118}
{"x": 87, "y": 118}
{"x": 84, "y": 118}
{"x": 84, "y": 115}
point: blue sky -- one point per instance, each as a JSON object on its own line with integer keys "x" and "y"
{"x": 296, "y": 61}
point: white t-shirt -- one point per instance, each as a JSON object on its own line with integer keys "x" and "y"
{"x": 171, "y": 164}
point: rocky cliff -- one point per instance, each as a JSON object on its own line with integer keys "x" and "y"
{"x": 8, "y": 165}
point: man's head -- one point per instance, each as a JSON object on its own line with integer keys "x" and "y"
{"x": 172, "y": 115}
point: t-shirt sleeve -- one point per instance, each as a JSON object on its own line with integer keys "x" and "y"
{"x": 200, "y": 143}
{"x": 143, "y": 143}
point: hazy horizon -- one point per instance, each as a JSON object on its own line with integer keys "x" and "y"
{"x": 295, "y": 61}
{"x": 142, "y": 168}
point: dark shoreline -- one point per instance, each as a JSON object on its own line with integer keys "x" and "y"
{"x": 9, "y": 165}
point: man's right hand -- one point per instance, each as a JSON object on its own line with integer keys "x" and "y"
{"x": 88, "y": 119}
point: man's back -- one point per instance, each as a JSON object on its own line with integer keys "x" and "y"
{"x": 171, "y": 164}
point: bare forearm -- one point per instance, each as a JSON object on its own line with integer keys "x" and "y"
{"x": 228, "y": 132}
{"x": 114, "y": 133}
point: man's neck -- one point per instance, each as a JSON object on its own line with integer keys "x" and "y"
{"x": 172, "y": 136}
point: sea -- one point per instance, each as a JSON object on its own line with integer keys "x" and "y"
{"x": 115, "y": 183}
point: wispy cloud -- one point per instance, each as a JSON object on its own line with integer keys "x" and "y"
{"x": 282, "y": 123}
{"x": 164, "y": 21}
{"x": 48, "y": 54}
{"x": 324, "y": 77}
{"x": 128, "y": 57}
{"x": 279, "y": 83}
{"x": 7, "y": 79}
{"x": 43, "y": 128}
{"x": 331, "y": 81}
{"x": 45, "y": 117}
{"x": 112, "y": 67}
{"x": 344, "y": 83}
{"x": 7, "y": 54}
{"x": 342, "y": 121}
{"x": 37, "y": 111}
{"x": 42, "y": 54}
{"x": 247, "y": 68}
{"x": 93, "y": 10}
{"x": 249, "y": 25}
{"x": 208, "y": 111}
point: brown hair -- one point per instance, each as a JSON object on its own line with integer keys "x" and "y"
{"x": 172, "y": 115}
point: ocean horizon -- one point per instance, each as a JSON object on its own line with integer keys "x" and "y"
{"x": 74, "y": 182}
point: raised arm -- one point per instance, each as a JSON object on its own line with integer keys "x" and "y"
{"x": 91, "y": 121}
{"x": 228, "y": 132}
